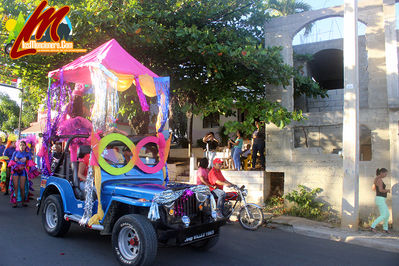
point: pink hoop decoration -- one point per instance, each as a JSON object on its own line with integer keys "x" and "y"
{"x": 160, "y": 141}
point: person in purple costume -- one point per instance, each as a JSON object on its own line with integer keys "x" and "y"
{"x": 19, "y": 175}
{"x": 8, "y": 152}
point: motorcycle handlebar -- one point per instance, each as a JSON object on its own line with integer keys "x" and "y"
{"x": 239, "y": 188}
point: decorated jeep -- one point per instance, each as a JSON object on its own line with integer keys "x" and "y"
{"x": 107, "y": 180}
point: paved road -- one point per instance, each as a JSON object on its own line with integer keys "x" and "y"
{"x": 23, "y": 242}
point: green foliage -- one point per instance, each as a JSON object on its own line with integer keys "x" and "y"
{"x": 200, "y": 143}
{"x": 275, "y": 205}
{"x": 178, "y": 120}
{"x": 131, "y": 109}
{"x": 288, "y": 7}
{"x": 305, "y": 203}
{"x": 224, "y": 138}
{"x": 306, "y": 86}
{"x": 9, "y": 113}
{"x": 367, "y": 222}
{"x": 267, "y": 112}
{"x": 302, "y": 57}
{"x": 210, "y": 49}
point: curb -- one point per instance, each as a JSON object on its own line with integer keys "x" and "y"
{"x": 385, "y": 244}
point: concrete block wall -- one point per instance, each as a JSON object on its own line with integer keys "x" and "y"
{"x": 374, "y": 113}
{"x": 183, "y": 153}
{"x": 315, "y": 167}
{"x": 334, "y": 102}
{"x": 254, "y": 181}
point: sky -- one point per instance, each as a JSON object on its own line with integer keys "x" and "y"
{"x": 331, "y": 28}
{"x": 13, "y": 93}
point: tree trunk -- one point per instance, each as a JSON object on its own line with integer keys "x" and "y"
{"x": 190, "y": 133}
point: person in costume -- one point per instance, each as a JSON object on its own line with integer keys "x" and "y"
{"x": 8, "y": 152}
{"x": 32, "y": 170}
{"x": 3, "y": 164}
{"x": 74, "y": 121}
{"x": 3, "y": 138}
{"x": 19, "y": 186}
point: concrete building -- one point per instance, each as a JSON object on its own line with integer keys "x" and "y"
{"x": 309, "y": 152}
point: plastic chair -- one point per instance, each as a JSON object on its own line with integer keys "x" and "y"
{"x": 247, "y": 163}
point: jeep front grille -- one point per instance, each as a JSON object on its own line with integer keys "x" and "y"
{"x": 186, "y": 206}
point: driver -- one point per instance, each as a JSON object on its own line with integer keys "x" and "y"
{"x": 216, "y": 178}
{"x": 82, "y": 171}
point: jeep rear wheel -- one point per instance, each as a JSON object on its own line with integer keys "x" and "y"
{"x": 134, "y": 240}
{"x": 53, "y": 216}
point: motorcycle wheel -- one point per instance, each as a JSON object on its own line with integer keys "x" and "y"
{"x": 253, "y": 221}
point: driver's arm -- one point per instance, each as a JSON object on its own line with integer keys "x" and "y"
{"x": 224, "y": 183}
{"x": 81, "y": 171}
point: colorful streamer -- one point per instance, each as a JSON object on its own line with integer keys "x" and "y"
{"x": 162, "y": 86}
{"x": 143, "y": 101}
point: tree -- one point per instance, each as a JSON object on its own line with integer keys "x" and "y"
{"x": 288, "y": 7}
{"x": 9, "y": 113}
{"x": 209, "y": 48}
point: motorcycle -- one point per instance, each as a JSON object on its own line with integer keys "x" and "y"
{"x": 250, "y": 215}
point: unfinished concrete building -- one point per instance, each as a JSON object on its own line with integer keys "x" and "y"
{"x": 309, "y": 152}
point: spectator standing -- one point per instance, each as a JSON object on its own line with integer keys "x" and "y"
{"x": 237, "y": 150}
{"x": 380, "y": 200}
{"x": 211, "y": 145}
{"x": 258, "y": 144}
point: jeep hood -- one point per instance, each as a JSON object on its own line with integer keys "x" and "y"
{"x": 131, "y": 189}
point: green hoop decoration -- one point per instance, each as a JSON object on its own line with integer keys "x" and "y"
{"x": 106, "y": 166}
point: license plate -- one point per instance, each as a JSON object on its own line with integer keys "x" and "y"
{"x": 199, "y": 236}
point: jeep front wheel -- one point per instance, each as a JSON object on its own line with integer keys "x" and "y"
{"x": 134, "y": 240}
{"x": 53, "y": 216}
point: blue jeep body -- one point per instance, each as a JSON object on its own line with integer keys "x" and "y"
{"x": 126, "y": 195}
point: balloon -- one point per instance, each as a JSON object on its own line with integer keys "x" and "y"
{"x": 124, "y": 81}
{"x": 147, "y": 85}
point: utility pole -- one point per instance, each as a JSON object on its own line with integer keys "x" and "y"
{"x": 20, "y": 108}
{"x": 350, "y": 189}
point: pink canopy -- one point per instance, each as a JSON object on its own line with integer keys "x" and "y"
{"x": 111, "y": 55}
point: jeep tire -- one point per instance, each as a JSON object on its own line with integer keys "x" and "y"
{"x": 134, "y": 241}
{"x": 53, "y": 216}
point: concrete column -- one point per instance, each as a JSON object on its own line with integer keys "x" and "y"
{"x": 394, "y": 152}
{"x": 193, "y": 162}
{"x": 350, "y": 191}
{"x": 391, "y": 52}
{"x": 391, "y": 58}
